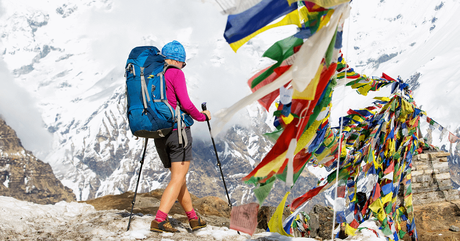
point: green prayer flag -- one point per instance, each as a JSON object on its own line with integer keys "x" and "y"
{"x": 263, "y": 190}
{"x": 273, "y": 136}
{"x": 409, "y": 190}
{"x": 410, "y": 209}
{"x": 388, "y": 208}
{"x": 330, "y": 50}
{"x": 386, "y": 230}
{"x": 279, "y": 51}
{"x": 393, "y": 105}
{"x": 401, "y": 234}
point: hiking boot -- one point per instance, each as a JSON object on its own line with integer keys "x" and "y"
{"x": 164, "y": 226}
{"x": 196, "y": 224}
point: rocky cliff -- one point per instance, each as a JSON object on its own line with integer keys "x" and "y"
{"x": 25, "y": 177}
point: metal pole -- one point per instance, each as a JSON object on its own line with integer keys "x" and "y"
{"x": 137, "y": 185}
{"x": 203, "y": 106}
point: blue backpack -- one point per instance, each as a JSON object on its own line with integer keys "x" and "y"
{"x": 149, "y": 113}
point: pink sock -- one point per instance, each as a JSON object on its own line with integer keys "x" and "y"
{"x": 161, "y": 216}
{"x": 191, "y": 215}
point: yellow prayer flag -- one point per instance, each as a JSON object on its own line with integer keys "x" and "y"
{"x": 274, "y": 165}
{"x": 387, "y": 198}
{"x": 288, "y": 119}
{"x": 354, "y": 196}
{"x": 309, "y": 92}
{"x": 349, "y": 230}
{"x": 324, "y": 154}
{"x": 307, "y": 136}
{"x": 376, "y": 205}
{"x": 365, "y": 89}
{"x": 382, "y": 98}
{"x": 382, "y": 215}
{"x": 406, "y": 107}
{"x": 276, "y": 221}
{"x": 408, "y": 200}
{"x": 323, "y": 3}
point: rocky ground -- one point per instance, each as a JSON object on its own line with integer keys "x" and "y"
{"x": 106, "y": 218}
{"x": 434, "y": 221}
{"x": 216, "y": 211}
{"x": 438, "y": 221}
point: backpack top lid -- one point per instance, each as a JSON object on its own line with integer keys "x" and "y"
{"x": 174, "y": 50}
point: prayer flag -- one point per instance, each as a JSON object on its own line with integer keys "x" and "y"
{"x": 324, "y": 3}
{"x": 263, "y": 190}
{"x": 349, "y": 230}
{"x": 452, "y": 138}
{"x": 376, "y": 206}
{"x": 243, "y": 26}
{"x": 388, "y": 188}
{"x": 279, "y": 51}
{"x": 236, "y": 6}
{"x": 276, "y": 221}
{"x": 244, "y": 218}
{"x": 376, "y": 192}
{"x": 267, "y": 100}
{"x": 307, "y": 196}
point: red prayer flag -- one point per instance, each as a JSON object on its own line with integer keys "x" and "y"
{"x": 341, "y": 191}
{"x": 390, "y": 168}
{"x": 280, "y": 70}
{"x": 244, "y": 218}
{"x": 452, "y": 138}
{"x": 267, "y": 100}
{"x": 354, "y": 224}
{"x": 376, "y": 192}
{"x": 307, "y": 196}
{"x": 363, "y": 212}
{"x": 385, "y": 76}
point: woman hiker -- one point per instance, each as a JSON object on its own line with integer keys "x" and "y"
{"x": 173, "y": 155}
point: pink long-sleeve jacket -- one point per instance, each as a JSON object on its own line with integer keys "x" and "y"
{"x": 176, "y": 87}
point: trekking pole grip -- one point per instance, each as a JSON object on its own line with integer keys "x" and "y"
{"x": 203, "y": 107}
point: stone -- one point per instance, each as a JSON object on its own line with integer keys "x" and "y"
{"x": 454, "y": 228}
{"x": 321, "y": 221}
{"x": 264, "y": 215}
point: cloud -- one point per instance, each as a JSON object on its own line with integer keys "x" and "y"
{"x": 2, "y": 11}
{"x": 19, "y": 111}
{"x": 215, "y": 74}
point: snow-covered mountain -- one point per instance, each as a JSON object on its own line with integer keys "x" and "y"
{"x": 62, "y": 67}
{"x": 72, "y": 73}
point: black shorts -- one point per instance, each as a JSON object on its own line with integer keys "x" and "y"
{"x": 169, "y": 150}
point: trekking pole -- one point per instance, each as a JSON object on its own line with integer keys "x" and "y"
{"x": 203, "y": 106}
{"x": 137, "y": 185}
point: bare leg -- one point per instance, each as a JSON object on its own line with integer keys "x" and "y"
{"x": 175, "y": 186}
{"x": 184, "y": 198}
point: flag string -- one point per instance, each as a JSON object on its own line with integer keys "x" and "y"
{"x": 339, "y": 154}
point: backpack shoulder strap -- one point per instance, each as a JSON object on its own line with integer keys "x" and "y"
{"x": 166, "y": 67}
{"x": 180, "y": 125}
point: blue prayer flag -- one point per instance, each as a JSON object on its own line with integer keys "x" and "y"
{"x": 243, "y": 24}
